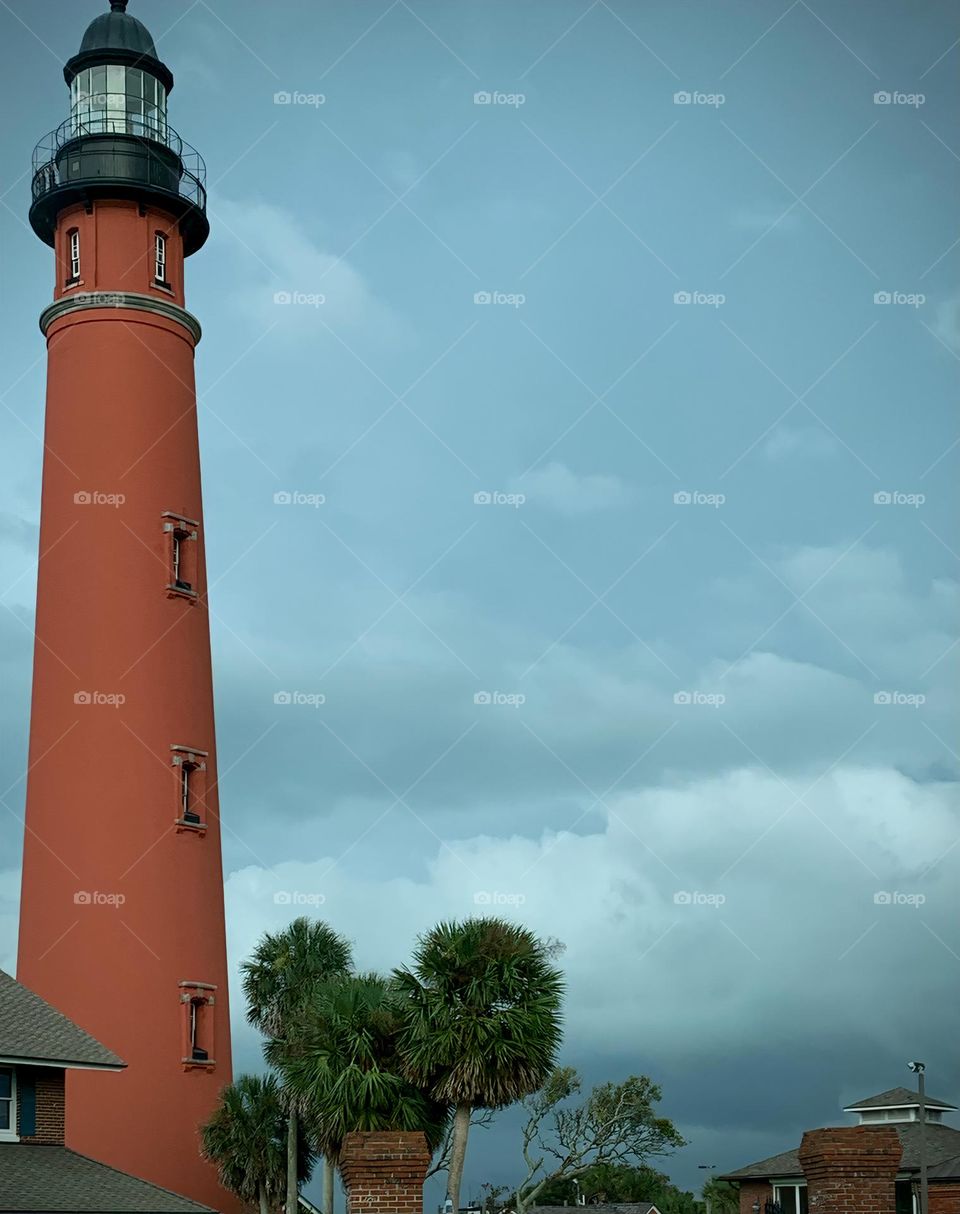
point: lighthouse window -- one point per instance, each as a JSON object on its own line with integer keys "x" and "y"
{"x": 191, "y": 768}
{"x": 114, "y": 99}
{"x": 188, "y": 811}
{"x": 182, "y": 554}
{"x": 160, "y": 260}
{"x": 74, "y": 239}
{"x": 198, "y": 1000}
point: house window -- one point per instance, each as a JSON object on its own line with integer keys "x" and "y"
{"x": 197, "y": 999}
{"x": 160, "y": 259}
{"x": 191, "y": 770}
{"x": 73, "y": 238}
{"x": 792, "y": 1198}
{"x": 181, "y": 554}
{"x": 8, "y": 1104}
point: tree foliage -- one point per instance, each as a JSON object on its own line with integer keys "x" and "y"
{"x": 616, "y": 1125}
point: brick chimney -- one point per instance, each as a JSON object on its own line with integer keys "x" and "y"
{"x": 851, "y": 1170}
{"x": 383, "y": 1173}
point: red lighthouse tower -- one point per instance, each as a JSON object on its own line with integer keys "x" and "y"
{"x": 122, "y": 923}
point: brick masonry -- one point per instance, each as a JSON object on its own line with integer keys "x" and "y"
{"x": 851, "y": 1170}
{"x": 754, "y": 1190}
{"x": 50, "y": 1105}
{"x": 383, "y": 1173}
{"x": 945, "y": 1198}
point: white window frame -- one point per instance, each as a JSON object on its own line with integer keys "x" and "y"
{"x": 74, "y": 254}
{"x": 790, "y": 1184}
{"x": 160, "y": 258}
{"x": 11, "y": 1134}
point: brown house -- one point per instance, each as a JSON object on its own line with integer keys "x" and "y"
{"x": 780, "y": 1178}
{"x": 38, "y": 1174}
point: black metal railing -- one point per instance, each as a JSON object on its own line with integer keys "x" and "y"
{"x": 128, "y": 146}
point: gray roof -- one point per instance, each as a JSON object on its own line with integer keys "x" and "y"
{"x": 897, "y": 1098}
{"x": 32, "y": 1031}
{"x": 117, "y": 30}
{"x": 54, "y": 1180}
{"x": 948, "y": 1170}
{"x": 622, "y": 1207}
{"x": 943, "y": 1142}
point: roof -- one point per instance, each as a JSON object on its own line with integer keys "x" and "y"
{"x": 943, "y": 1143}
{"x": 897, "y": 1098}
{"x": 55, "y": 1180}
{"x": 948, "y": 1170}
{"x": 117, "y": 30}
{"x": 622, "y": 1207}
{"x": 31, "y": 1031}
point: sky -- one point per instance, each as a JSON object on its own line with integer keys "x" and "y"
{"x": 577, "y": 412}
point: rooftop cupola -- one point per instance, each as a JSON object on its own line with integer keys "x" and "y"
{"x": 117, "y": 142}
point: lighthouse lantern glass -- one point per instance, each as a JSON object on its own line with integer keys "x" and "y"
{"x": 116, "y": 100}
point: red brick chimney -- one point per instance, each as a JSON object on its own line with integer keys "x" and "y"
{"x": 383, "y": 1173}
{"x": 851, "y": 1170}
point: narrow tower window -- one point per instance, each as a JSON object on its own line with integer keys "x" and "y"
{"x": 160, "y": 260}
{"x": 181, "y": 554}
{"x": 191, "y": 771}
{"x": 198, "y": 1000}
{"x": 74, "y": 253}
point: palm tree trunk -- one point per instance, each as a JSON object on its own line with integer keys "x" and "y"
{"x": 458, "y": 1150}
{"x": 292, "y": 1202}
{"x": 264, "y": 1208}
{"x": 327, "y": 1200}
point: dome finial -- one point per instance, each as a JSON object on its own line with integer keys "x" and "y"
{"x": 118, "y": 6}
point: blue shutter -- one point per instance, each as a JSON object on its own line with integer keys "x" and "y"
{"x": 27, "y": 1101}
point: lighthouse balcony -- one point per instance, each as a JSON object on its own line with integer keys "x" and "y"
{"x": 114, "y": 153}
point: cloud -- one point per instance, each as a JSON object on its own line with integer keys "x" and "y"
{"x": 555, "y": 487}
{"x": 291, "y": 283}
{"x": 801, "y": 442}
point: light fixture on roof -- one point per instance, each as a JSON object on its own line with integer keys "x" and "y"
{"x": 918, "y": 1069}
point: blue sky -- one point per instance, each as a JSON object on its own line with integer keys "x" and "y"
{"x": 684, "y": 587}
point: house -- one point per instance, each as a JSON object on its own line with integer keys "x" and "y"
{"x": 38, "y": 1174}
{"x": 780, "y": 1178}
{"x": 623, "y": 1207}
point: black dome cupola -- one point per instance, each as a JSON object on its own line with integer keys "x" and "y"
{"x": 117, "y": 142}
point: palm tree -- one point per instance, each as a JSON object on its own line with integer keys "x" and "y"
{"x": 285, "y": 968}
{"x": 482, "y": 1021}
{"x": 342, "y": 1067}
{"x": 246, "y": 1138}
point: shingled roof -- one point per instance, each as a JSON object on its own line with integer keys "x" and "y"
{"x": 54, "y": 1180}
{"x": 31, "y": 1031}
{"x": 943, "y": 1143}
{"x": 897, "y": 1098}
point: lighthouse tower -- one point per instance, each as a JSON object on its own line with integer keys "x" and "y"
{"x": 122, "y": 923}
